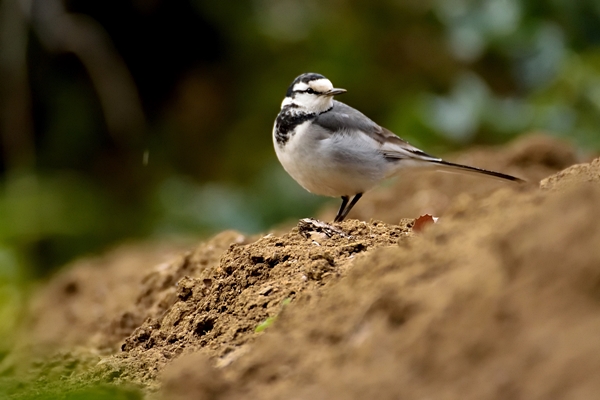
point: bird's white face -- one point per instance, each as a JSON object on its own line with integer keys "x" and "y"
{"x": 314, "y": 96}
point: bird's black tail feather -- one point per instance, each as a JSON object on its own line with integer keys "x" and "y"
{"x": 449, "y": 166}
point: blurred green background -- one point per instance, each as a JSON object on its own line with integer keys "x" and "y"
{"x": 152, "y": 118}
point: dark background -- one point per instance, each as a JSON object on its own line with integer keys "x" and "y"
{"x": 152, "y": 118}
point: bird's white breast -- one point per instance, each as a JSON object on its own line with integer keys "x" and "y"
{"x": 331, "y": 164}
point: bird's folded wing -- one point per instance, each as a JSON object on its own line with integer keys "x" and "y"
{"x": 395, "y": 148}
{"x": 342, "y": 119}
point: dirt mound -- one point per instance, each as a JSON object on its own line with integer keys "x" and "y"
{"x": 496, "y": 300}
{"x": 480, "y": 306}
{"x": 99, "y": 301}
{"x": 220, "y": 309}
{"x": 78, "y": 306}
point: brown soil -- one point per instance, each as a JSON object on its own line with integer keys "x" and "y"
{"x": 499, "y": 299}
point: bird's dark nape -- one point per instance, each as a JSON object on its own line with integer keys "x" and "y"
{"x": 466, "y": 168}
{"x": 345, "y": 207}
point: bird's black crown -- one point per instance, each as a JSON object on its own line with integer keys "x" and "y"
{"x": 307, "y": 77}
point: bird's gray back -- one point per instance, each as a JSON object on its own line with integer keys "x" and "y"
{"x": 345, "y": 118}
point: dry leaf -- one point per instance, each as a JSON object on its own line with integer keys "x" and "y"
{"x": 423, "y": 221}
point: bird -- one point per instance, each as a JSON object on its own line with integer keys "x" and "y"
{"x": 332, "y": 149}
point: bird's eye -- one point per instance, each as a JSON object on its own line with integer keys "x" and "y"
{"x": 311, "y": 91}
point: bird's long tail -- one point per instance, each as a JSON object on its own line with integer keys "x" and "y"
{"x": 459, "y": 168}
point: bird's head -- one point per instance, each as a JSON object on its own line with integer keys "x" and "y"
{"x": 312, "y": 93}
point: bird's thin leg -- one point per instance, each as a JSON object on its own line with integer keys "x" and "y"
{"x": 339, "y": 217}
{"x": 352, "y": 203}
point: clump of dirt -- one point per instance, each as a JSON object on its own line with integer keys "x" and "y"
{"x": 496, "y": 300}
{"x": 218, "y": 310}
{"x": 573, "y": 176}
{"x": 158, "y": 290}
{"x": 98, "y": 302}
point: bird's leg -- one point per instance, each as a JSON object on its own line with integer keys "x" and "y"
{"x": 340, "y": 217}
{"x": 352, "y": 203}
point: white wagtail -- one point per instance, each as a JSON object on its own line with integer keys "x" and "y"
{"x": 333, "y": 150}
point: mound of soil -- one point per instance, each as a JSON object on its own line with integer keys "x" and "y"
{"x": 499, "y": 299}
{"x": 87, "y": 303}
{"x": 220, "y": 309}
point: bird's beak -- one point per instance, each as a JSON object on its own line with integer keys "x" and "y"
{"x": 334, "y": 91}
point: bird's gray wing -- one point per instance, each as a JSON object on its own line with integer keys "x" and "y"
{"x": 343, "y": 119}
